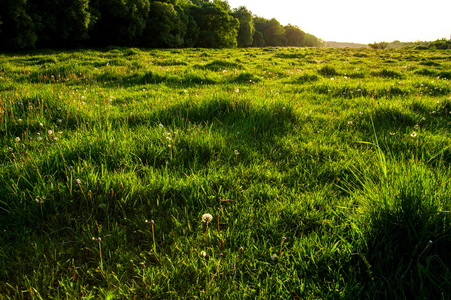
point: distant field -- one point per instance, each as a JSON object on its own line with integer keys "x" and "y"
{"x": 326, "y": 172}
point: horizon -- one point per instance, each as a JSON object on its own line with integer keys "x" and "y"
{"x": 421, "y": 20}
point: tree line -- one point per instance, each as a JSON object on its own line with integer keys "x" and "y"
{"x": 28, "y": 24}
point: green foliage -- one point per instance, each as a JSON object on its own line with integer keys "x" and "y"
{"x": 273, "y": 32}
{"x": 247, "y": 30}
{"x": 19, "y": 30}
{"x": 119, "y": 22}
{"x": 312, "y": 41}
{"x": 380, "y": 45}
{"x": 441, "y": 44}
{"x": 294, "y": 36}
{"x": 62, "y": 24}
{"x": 217, "y": 29}
{"x": 165, "y": 27}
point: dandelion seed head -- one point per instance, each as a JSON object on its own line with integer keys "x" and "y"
{"x": 207, "y": 218}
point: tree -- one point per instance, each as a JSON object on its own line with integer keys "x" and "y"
{"x": 164, "y": 26}
{"x": 247, "y": 29}
{"x": 217, "y": 29}
{"x": 120, "y": 22}
{"x": 294, "y": 36}
{"x": 380, "y": 45}
{"x": 257, "y": 39}
{"x": 19, "y": 31}
{"x": 60, "y": 23}
{"x": 312, "y": 41}
{"x": 273, "y": 33}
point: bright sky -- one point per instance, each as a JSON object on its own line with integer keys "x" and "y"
{"x": 360, "y": 21}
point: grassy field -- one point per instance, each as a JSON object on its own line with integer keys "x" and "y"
{"x": 326, "y": 173}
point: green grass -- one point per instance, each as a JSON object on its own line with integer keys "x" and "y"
{"x": 345, "y": 153}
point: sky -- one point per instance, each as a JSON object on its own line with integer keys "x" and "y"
{"x": 359, "y": 21}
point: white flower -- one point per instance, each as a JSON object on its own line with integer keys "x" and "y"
{"x": 39, "y": 138}
{"x": 50, "y": 132}
{"x": 414, "y": 134}
{"x": 207, "y": 218}
{"x": 274, "y": 257}
{"x": 203, "y": 253}
{"x": 17, "y": 139}
{"x": 236, "y": 152}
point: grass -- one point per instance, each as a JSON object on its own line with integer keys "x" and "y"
{"x": 326, "y": 172}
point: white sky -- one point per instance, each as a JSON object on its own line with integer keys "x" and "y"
{"x": 360, "y": 21}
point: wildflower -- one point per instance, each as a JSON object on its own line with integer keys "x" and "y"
{"x": 20, "y": 120}
{"x": 392, "y": 133}
{"x": 361, "y": 112}
{"x": 39, "y": 138}
{"x": 161, "y": 126}
{"x": 414, "y": 134}
{"x": 78, "y": 181}
{"x": 17, "y": 139}
{"x": 39, "y": 199}
{"x": 236, "y": 152}
{"x": 274, "y": 257}
{"x": 50, "y": 132}
{"x": 207, "y": 218}
{"x": 101, "y": 205}
{"x": 40, "y": 124}
{"x": 416, "y": 126}
{"x": 203, "y": 253}
{"x": 349, "y": 122}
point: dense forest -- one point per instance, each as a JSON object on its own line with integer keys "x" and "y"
{"x": 28, "y": 24}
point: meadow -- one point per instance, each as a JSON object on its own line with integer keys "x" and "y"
{"x": 257, "y": 173}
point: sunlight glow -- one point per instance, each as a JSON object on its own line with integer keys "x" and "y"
{"x": 360, "y": 21}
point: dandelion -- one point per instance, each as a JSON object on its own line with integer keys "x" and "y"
{"x": 414, "y": 134}
{"x": 207, "y": 218}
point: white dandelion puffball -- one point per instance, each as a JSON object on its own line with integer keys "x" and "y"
{"x": 207, "y": 218}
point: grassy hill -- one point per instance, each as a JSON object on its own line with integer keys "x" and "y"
{"x": 325, "y": 172}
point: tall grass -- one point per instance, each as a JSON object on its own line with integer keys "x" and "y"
{"x": 326, "y": 172}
